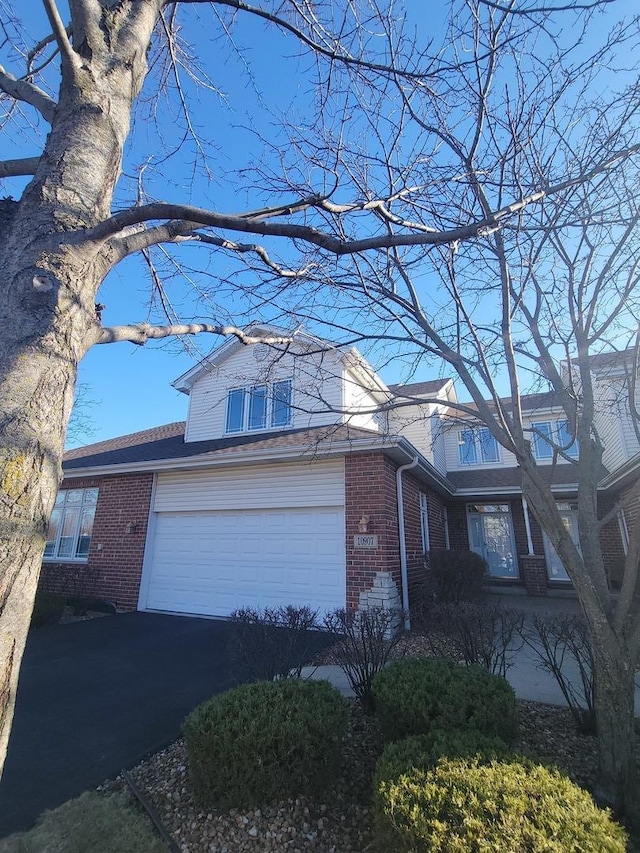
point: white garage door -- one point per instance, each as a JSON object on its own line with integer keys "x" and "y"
{"x": 211, "y": 561}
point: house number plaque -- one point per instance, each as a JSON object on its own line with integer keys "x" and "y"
{"x": 365, "y": 540}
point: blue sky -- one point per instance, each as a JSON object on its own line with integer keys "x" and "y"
{"x": 267, "y": 76}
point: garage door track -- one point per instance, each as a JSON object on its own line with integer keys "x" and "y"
{"x": 100, "y": 695}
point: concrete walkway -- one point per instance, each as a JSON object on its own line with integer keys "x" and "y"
{"x": 526, "y": 676}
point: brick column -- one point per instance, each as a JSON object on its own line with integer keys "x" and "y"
{"x": 533, "y": 570}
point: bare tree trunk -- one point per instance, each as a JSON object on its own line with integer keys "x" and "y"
{"x": 40, "y": 347}
{"x": 614, "y": 706}
{"x": 50, "y": 276}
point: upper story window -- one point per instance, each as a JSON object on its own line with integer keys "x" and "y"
{"x": 549, "y": 436}
{"x": 71, "y": 524}
{"x": 259, "y": 407}
{"x": 477, "y": 446}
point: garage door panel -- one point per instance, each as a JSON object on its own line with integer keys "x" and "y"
{"x": 212, "y": 562}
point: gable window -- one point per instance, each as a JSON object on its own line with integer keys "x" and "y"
{"x": 551, "y": 435}
{"x": 71, "y": 524}
{"x": 424, "y": 522}
{"x": 259, "y": 407}
{"x": 477, "y": 446}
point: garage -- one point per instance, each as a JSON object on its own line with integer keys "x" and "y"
{"x": 260, "y": 537}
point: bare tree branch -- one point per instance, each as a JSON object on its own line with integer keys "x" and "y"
{"x": 13, "y": 168}
{"x": 28, "y": 93}
{"x": 143, "y": 332}
{"x": 60, "y": 33}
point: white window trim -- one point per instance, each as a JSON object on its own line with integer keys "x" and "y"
{"x": 246, "y": 408}
{"x": 477, "y": 443}
{"x": 55, "y": 557}
{"x": 553, "y": 440}
{"x": 424, "y": 522}
{"x": 624, "y": 531}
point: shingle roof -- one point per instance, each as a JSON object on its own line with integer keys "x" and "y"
{"x": 529, "y": 402}
{"x": 418, "y": 389}
{"x": 492, "y": 478}
{"x": 167, "y": 442}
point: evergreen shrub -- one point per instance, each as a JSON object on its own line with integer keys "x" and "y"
{"x": 422, "y": 752}
{"x": 466, "y": 806}
{"x": 413, "y": 696}
{"x": 265, "y": 741}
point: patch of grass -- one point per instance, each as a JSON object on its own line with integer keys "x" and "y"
{"x": 92, "y": 823}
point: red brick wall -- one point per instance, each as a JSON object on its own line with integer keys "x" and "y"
{"x": 411, "y": 489}
{"x": 112, "y": 571}
{"x": 370, "y": 488}
{"x": 611, "y": 541}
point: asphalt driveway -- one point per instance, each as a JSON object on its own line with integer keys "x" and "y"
{"x": 98, "y": 696}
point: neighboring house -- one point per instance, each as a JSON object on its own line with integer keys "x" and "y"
{"x": 301, "y": 478}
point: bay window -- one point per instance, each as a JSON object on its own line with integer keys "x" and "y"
{"x": 71, "y": 525}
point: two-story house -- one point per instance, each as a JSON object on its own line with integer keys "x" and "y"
{"x": 299, "y": 477}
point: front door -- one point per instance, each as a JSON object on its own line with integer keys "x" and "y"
{"x": 491, "y": 536}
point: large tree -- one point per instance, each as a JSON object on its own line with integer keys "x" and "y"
{"x": 336, "y": 208}
{"x": 538, "y": 134}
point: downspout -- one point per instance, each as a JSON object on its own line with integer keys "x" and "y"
{"x": 403, "y": 542}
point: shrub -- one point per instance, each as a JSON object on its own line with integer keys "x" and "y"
{"x": 562, "y": 646}
{"x": 464, "y": 806}
{"x": 47, "y": 609}
{"x": 364, "y": 640}
{"x": 92, "y": 823}
{"x": 413, "y": 696}
{"x": 264, "y": 741}
{"x": 276, "y": 641}
{"x": 488, "y": 635}
{"x": 456, "y": 575}
{"x": 422, "y": 752}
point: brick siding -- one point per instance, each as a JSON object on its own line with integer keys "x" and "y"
{"x": 370, "y": 488}
{"x": 113, "y": 571}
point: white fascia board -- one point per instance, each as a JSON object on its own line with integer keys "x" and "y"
{"x": 185, "y": 382}
{"x": 493, "y": 491}
{"x": 627, "y": 468}
{"x": 354, "y": 361}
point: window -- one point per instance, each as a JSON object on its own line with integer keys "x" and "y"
{"x": 259, "y": 407}
{"x": 549, "y": 436}
{"x": 424, "y": 522}
{"x": 477, "y": 446}
{"x": 71, "y": 523}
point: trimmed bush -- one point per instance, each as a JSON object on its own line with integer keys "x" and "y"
{"x": 465, "y": 806}
{"x": 265, "y": 741}
{"x": 422, "y": 752}
{"x": 47, "y": 609}
{"x": 413, "y": 696}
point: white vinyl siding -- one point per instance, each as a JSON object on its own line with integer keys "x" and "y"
{"x": 359, "y": 405}
{"x": 316, "y": 393}
{"x": 282, "y": 484}
{"x": 414, "y": 423}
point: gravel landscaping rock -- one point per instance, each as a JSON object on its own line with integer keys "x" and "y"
{"x": 341, "y": 823}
